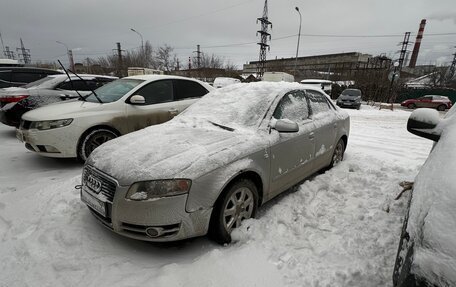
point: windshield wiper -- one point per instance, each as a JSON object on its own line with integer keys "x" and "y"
{"x": 71, "y": 82}
{"x": 222, "y": 127}
{"x": 85, "y": 83}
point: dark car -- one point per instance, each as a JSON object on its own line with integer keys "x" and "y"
{"x": 350, "y": 98}
{"x": 427, "y": 248}
{"x": 19, "y": 76}
{"x": 15, "y": 101}
{"x": 440, "y": 103}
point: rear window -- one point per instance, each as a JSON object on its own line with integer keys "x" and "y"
{"x": 25, "y": 77}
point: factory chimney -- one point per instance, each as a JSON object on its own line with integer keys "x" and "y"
{"x": 416, "y": 48}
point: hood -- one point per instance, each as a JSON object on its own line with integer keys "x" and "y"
{"x": 172, "y": 150}
{"x": 62, "y": 110}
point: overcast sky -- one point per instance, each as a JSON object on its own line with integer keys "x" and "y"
{"x": 227, "y": 28}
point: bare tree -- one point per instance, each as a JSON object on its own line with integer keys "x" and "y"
{"x": 166, "y": 61}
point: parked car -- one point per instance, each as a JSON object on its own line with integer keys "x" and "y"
{"x": 75, "y": 128}
{"x": 212, "y": 166}
{"x": 440, "y": 103}
{"x": 427, "y": 249}
{"x": 14, "y": 102}
{"x": 19, "y": 76}
{"x": 350, "y": 98}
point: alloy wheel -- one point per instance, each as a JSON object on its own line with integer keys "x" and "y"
{"x": 238, "y": 207}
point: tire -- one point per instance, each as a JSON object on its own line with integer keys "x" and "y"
{"x": 441, "y": 108}
{"x": 338, "y": 154}
{"x": 411, "y": 106}
{"x": 93, "y": 139}
{"x": 239, "y": 201}
{"x": 403, "y": 262}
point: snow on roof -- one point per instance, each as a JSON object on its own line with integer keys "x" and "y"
{"x": 316, "y": 81}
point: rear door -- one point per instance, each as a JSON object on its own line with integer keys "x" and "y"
{"x": 325, "y": 125}
{"x": 159, "y": 106}
{"x": 291, "y": 154}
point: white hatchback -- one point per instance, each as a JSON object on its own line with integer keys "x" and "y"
{"x": 75, "y": 128}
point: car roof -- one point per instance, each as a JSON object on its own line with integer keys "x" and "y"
{"x": 315, "y": 81}
{"x": 158, "y": 77}
{"x": 84, "y": 76}
{"x": 27, "y": 69}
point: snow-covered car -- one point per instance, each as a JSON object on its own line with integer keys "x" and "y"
{"x": 349, "y": 98}
{"x": 14, "y": 102}
{"x": 75, "y": 128}
{"x": 213, "y": 165}
{"x": 427, "y": 248}
{"x": 440, "y": 103}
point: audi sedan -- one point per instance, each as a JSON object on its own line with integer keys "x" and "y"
{"x": 213, "y": 165}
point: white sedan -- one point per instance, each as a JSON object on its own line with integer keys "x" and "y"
{"x": 75, "y": 128}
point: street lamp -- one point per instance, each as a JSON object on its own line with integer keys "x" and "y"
{"x": 299, "y": 38}
{"x": 142, "y": 43}
{"x": 70, "y": 55}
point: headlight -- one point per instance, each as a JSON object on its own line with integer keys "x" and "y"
{"x": 47, "y": 125}
{"x": 145, "y": 190}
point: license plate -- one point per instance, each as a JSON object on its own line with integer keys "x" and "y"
{"x": 96, "y": 204}
{"x": 19, "y": 135}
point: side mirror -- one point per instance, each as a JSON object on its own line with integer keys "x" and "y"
{"x": 137, "y": 100}
{"x": 284, "y": 126}
{"x": 422, "y": 122}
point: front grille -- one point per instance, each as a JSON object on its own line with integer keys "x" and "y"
{"x": 25, "y": 124}
{"x": 108, "y": 186}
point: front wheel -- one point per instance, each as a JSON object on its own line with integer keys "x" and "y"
{"x": 92, "y": 140}
{"x": 411, "y": 106}
{"x": 238, "y": 202}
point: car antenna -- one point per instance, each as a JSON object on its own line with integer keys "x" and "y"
{"x": 71, "y": 83}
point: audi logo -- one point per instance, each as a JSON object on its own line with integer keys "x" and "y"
{"x": 93, "y": 183}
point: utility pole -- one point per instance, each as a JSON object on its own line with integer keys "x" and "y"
{"x": 189, "y": 63}
{"x": 119, "y": 60}
{"x": 264, "y": 35}
{"x": 398, "y": 67}
{"x": 452, "y": 69}
{"x": 177, "y": 65}
{"x": 198, "y": 56}
{"x": 24, "y": 53}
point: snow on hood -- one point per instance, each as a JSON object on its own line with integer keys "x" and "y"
{"x": 61, "y": 110}
{"x": 172, "y": 150}
{"x": 432, "y": 221}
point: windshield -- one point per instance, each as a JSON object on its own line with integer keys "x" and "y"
{"x": 236, "y": 106}
{"x": 352, "y": 93}
{"x": 113, "y": 91}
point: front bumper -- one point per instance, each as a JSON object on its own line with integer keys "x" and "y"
{"x": 160, "y": 220}
{"x": 59, "y": 142}
{"x": 348, "y": 104}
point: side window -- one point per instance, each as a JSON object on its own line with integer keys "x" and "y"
{"x": 293, "y": 106}
{"x": 77, "y": 85}
{"x": 318, "y": 102}
{"x": 157, "y": 92}
{"x": 5, "y": 78}
{"x": 188, "y": 89}
{"x": 24, "y": 77}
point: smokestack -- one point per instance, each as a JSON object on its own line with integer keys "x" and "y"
{"x": 416, "y": 48}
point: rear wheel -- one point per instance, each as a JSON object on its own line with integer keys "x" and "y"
{"x": 238, "y": 202}
{"x": 411, "y": 106}
{"x": 338, "y": 154}
{"x": 92, "y": 140}
{"x": 441, "y": 108}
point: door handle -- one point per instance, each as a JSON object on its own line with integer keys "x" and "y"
{"x": 311, "y": 136}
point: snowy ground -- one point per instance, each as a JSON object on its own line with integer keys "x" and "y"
{"x": 340, "y": 228}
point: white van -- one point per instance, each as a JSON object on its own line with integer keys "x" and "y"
{"x": 325, "y": 85}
